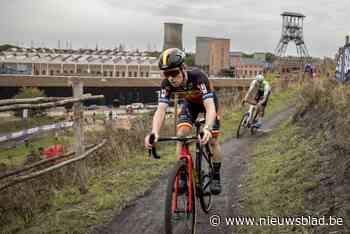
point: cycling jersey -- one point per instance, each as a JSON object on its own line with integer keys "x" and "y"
{"x": 197, "y": 88}
{"x": 262, "y": 90}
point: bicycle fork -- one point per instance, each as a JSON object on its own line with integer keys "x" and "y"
{"x": 184, "y": 156}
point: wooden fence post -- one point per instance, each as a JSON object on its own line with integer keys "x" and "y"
{"x": 79, "y": 136}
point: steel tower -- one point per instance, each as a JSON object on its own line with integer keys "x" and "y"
{"x": 292, "y": 30}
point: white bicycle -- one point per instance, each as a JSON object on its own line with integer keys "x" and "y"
{"x": 248, "y": 121}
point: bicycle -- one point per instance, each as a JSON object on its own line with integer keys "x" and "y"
{"x": 180, "y": 203}
{"x": 248, "y": 121}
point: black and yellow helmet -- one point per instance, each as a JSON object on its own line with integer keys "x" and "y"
{"x": 171, "y": 58}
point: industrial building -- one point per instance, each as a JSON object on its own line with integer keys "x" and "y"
{"x": 83, "y": 62}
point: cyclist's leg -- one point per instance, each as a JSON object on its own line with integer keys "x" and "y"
{"x": 185, "y": 120}
{"x": 258, "y": 98}
{"x": 261, "y": 111}
{"x": 214, "y": 142}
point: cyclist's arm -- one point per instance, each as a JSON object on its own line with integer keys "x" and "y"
{"x": 210, "y": 115}
{"x": 251, "y": 87}
{"x": 159, "y": 117}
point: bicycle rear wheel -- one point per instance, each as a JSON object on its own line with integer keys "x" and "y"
{"x": 204, "y": 170}
{"x": 242, "y": 127}
{"x": 180, "y": 207}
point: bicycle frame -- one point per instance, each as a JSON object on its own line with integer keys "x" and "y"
{"x": 251, "y": 111}
{"x": 252, "y": 108}
{"x": 183, "y": 155}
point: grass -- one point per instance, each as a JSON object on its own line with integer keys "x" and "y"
{"x": 16, "y": 156}
{"x": 15, "y": 124}
{"x": 109, "y": 192}
{"x": 279, "y": 174}
{"x": 113, "y": 185}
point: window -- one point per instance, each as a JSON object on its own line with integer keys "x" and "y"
{"x": 117, "y": 74}
{"x": 129, "y": 75}
{"x": 71, "y": 71}
{"x": 147, "y": 74}
{"x": 104, "y": 73}
{"x": 123, "y": 74}
{"x": 57, "y": 72}
{"x": 51, "y": 72}
{"x": 141, "y": 74}
{"x": 43, "y": 72}
{"x": 110, "y": 73}
{"x": 135, "y": 74}
{"x": 65, "y": 72}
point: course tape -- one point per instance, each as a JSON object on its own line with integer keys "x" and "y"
{"x": 27, "y": 132}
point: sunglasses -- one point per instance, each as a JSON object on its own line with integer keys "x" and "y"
{"x": 172, "y": 73}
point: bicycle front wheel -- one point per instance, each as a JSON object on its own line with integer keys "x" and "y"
{"x": 180, "y": 207}
{"x": 204, "y": 170}
{"x": 242, "y": 127}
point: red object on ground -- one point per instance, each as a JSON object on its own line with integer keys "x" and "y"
{"x": 53, "y": 151}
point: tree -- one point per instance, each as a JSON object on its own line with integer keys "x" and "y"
{"x": 270, "y": 58}
{"x": 189, "y": 60}
{"x": 153, "y": 54}
{"x": 29, "y": 92}
{"x": 7, "y": 46}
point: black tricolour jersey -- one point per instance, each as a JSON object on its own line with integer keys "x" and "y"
{"x": 197, "y": 88}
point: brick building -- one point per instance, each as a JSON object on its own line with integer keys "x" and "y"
{"x": 247, "y": 67}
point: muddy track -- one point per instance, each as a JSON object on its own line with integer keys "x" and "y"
{"x": 146, "y": 214}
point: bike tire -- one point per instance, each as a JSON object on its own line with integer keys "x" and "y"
{"x": 241, "y": 128}
{"x": 204, "y": 171}
{"x": 170, "y": 216}
{"x": 253, "y": 129}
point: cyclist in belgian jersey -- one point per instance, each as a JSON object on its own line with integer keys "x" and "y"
{"x": 199, "y": 97}
{"x": 260, "y": 90}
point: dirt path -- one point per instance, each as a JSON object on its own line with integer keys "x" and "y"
{"x": 145, "y": 215}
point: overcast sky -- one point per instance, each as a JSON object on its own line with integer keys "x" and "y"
{"x": 251, "y": 25}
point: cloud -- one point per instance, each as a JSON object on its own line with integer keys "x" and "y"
{"x": 251, "y": 25}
